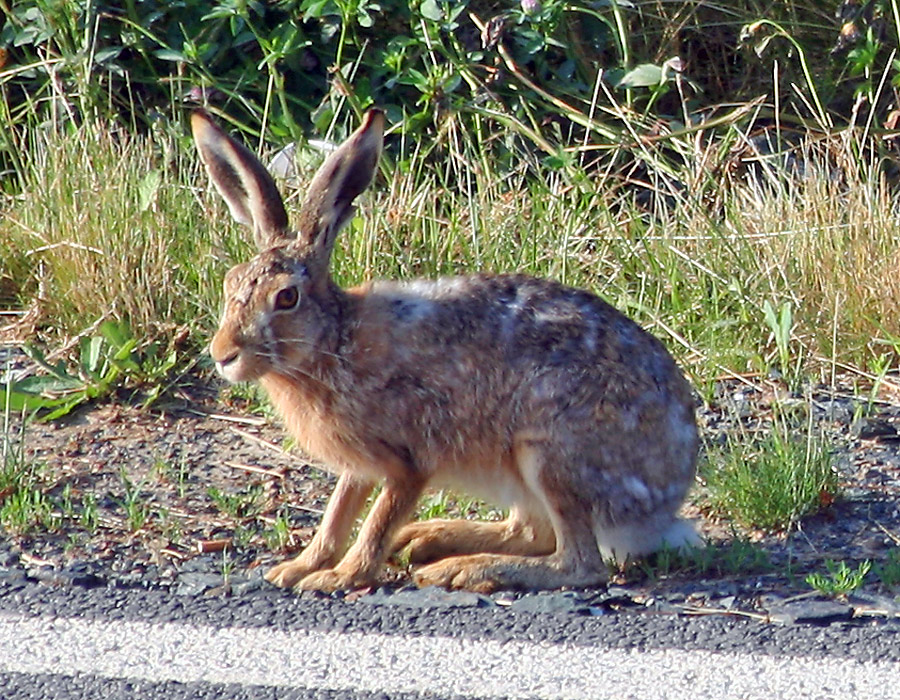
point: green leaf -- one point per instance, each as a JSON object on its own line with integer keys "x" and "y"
{"x": 317, "y": 8}
{"x": 452, "y": 83}
{"x": 558, "y": 161}
{"x": 431, "y": 10}
{"x": 364, "y": 19}
{"x": 171, "y": 55}
{"x": 58, "y": 370}
{"x": 148, "y": 187}
{"x": 64, "y": 407}
{"x": 43, "y": 385}
{"x": 107, "y": 54}
{"x": 116, "y": 334}
{"x": 20, "y": 401}
{"x": 414, "y": 78}
{"x": 644, "y": 75}
{"x": 91, "y": 355}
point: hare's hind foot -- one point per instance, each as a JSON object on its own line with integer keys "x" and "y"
{"x": 485, "y": 573}
{"x": 431, "y": 540}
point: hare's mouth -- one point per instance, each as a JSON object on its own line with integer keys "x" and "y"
{"x": 227, "y": 365}
{"x": 234, "y": 367}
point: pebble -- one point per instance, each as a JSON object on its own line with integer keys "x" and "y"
{"x": 195, "y": 583}
{"x": 813, "y": 612}
{"x": 566, "y": 602}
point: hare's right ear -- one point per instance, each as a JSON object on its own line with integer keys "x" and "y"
{"x": 242, "y": 180}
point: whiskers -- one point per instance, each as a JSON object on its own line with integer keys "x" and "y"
{"x": 298, "y": 374}
{"x": 320, "y": 352}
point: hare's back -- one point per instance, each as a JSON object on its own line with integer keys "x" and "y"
{"x": 524, "y": 323}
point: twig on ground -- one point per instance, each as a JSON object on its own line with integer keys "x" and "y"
{"x": 276, "y": 473}
{"x": 244, "y": 420}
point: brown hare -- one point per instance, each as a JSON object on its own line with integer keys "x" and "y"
{"x": 532, "y": 395}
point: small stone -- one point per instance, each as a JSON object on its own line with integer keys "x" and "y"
{"x": 243, "y": 586}
{"x": 194, "y": 584}
{"x": 12, "y": 580}
{"x": 84, "y": 574}
{"x": 767, "y": 601}
{"x": 8, "y": 558}
{"x": 811, "y": 612}
{"x": 838, "y": 411}
{"x": 554, "y": 603}
{"x": 620, "y": 593}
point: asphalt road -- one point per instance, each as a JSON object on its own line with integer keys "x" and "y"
{"x": 126, "y": 643}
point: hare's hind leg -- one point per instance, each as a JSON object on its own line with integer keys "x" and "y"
{"x": 575, "y": 561}
{"x": 431, "y": 540}
{"x": 330, "y": 540}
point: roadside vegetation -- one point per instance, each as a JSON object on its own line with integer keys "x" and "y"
{"x": 727, "y": 175}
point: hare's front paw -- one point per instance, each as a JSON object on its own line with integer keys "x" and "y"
{"x": 329, "y": 580}
{"x": 285, "y": 574}
{"x": 471, "y": 573}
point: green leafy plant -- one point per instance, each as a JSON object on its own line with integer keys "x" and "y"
{"x": 228, "y": 564}
{"x": 841, "y": 579}
{"x": 439, "y": 504}
{"x": 175, "y": 474}
{"x": 737, "y": 556}
{"x": 245, "y": 504}
{"x": 781, "y": 325}
{"x": 242, "y": 536}
{"x": 137, "y": 509}
{"x": 23, "y": 503}
{"x": 104, "y": 363}
{"x": 89, "y": 517}
{"x": 888, "y": 570}
{"x": 770, "y": 482}
{"x": 446, "y": 504}
{"x": 279, "y": 536}
{"x": 28, "y": 508}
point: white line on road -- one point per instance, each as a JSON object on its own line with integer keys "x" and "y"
{"x": 438, "y": 665}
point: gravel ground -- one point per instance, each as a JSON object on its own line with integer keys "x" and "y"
{"x": 196, "y": 497}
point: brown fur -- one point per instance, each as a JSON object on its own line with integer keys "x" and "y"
{"x": 533, "y": 395}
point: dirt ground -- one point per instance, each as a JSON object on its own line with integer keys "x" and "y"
{"x": 195, "y": 485}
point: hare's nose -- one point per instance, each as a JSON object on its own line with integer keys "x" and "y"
{"x": 223, "y": 362}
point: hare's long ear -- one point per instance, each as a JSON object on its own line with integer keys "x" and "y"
{"x": 242, "y": 180}
{"x": 342, "y": 177}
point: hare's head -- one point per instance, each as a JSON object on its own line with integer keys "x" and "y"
{"x": 280, "y": 310}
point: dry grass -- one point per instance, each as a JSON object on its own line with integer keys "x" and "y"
{"x": 127, "y": 227}
{"x": 109, "y": 226}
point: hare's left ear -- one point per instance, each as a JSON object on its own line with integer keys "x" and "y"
{"x": 242, "y": 180}
{"x": 340, "y": 179}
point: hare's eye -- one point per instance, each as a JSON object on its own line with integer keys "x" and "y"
{"x": 286, "y": 299}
